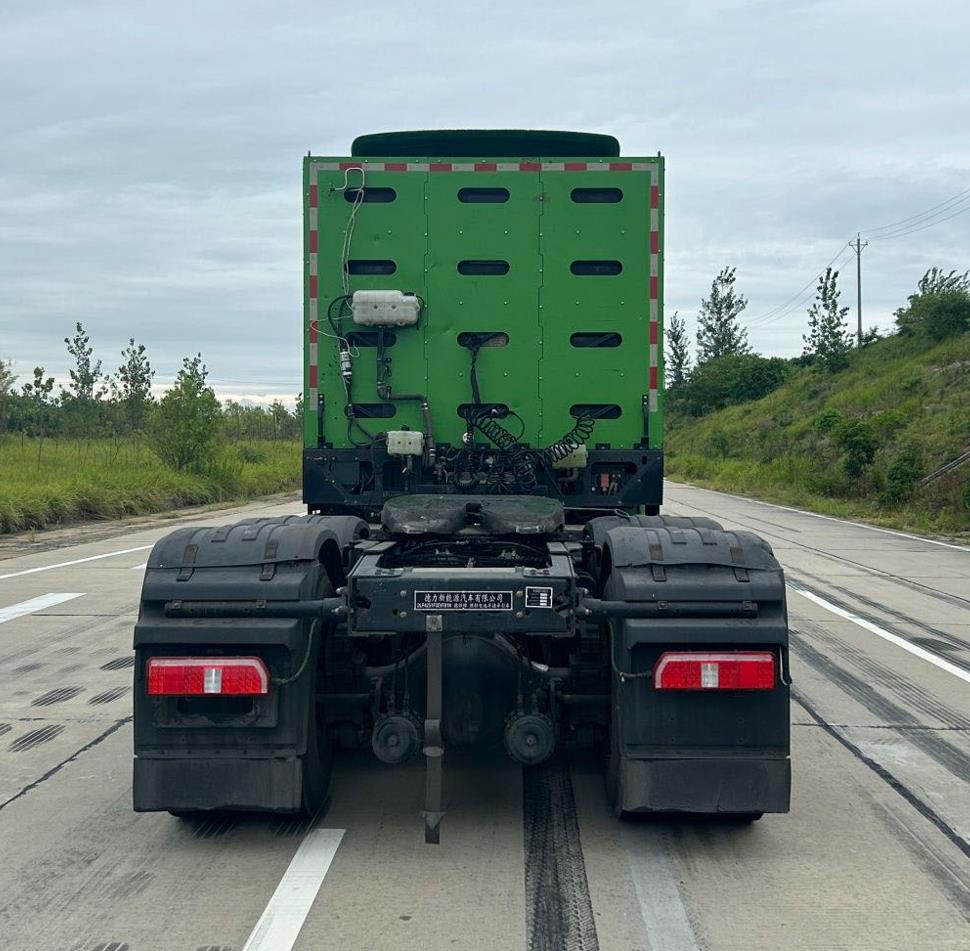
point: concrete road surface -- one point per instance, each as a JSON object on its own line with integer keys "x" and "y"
{"x": 875, "y": 853}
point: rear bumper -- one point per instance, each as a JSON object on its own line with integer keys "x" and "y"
{"x": 196, "y": 783}
{"x": 711, "y": 785}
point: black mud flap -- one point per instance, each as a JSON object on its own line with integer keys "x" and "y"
{"x": 203, "y": 784}
{"x": 706, "y": 785}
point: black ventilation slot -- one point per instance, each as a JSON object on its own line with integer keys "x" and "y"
{"x": 368, "y": 338}
{"x": 483, "y": 196}
{"x": 483, "y": 338}
{"x": 495, "y": 410}
{"x": 592, "y": 339}
{"x": 371, "y": 267}
{"x": 374, "y": 410}
{"x": 596, "y": 410}
{"x": 596, "y": 268}
{"x": 372, "y": 193}
{"x": 482, "y": 268}
{"x": 596, "y": 196}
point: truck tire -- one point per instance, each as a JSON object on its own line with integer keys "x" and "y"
{"x": 614, "y": 776}
{"x": 316, "y": 765}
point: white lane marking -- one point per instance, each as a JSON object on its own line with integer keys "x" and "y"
{"x": 906, "y": 645}
{"x": 831, "y": 518}
{"x": 280, "y": 923}
{"x": 664, "y": 916}
{"x": 144, "y": 564}
{"x": 36, "y": 604}
{"x": 76, "y": 561}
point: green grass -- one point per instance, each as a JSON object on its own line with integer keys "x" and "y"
{"x": 915, "y": 396}
{"x": 68, "y": 481}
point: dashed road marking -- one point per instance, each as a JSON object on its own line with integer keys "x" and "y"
{"x": 281, "y": 921}
{"x": 36, "y": 604}
{"x": 664, "y": 916}
{"x": 76, "y": 561}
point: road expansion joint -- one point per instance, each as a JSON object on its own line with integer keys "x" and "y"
{"x": 54, "y": 770}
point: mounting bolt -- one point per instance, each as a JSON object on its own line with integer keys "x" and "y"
{"x": 518, "y": 593}
{"x": 519, "y": 614}
{"x": 403, "y": 593}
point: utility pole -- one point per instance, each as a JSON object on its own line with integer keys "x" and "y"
{"x": 857, "y": 247}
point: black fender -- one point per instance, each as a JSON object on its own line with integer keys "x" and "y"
{"x": 214, "y": 753}
{"x": 697, "y": 751}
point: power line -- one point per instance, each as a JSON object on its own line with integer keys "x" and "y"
{"x": 912, "y": 218}
{"x": 922, "y": 221}
{"x": 932, "y": 224}
{"x": 782, "y": 310}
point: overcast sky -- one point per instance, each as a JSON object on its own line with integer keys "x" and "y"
{"x": 150, "y": 152}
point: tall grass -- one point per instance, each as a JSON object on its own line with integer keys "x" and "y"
{"x": 43, "y": 484}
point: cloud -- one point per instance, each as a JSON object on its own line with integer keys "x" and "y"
{"x": 150, "y": 174}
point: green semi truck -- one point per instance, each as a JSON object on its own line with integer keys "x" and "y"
{"x": 483, "y": 559}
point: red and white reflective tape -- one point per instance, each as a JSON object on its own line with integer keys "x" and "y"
{"x": 313, "y": 291}
{"x": 653, "y": 382}
{"x": 313, "y": 242}
{"x": 483, "y": 166}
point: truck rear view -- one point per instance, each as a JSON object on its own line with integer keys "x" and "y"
{"x": 484, "y": 561}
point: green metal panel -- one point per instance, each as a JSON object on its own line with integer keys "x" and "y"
{"x": 570, "y": 303}
{"x": 539, "y": 303}
{"x": 503, "y": 303}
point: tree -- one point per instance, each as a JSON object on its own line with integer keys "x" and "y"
{"x": 87, "y": 371}
{"x": 281, "y": 419}
{"x": 37, "y": 397}
{"x": 678, "y": 351}
{"x": 7, "y": 398}
{"x": 828, "y": 339}
{"x": 185, "y": 424}
{"x": 134, "y": 386}
{"x": 718, "y": 332}
{"x": 940, "y": 308}
{"x": 80, "y": 403}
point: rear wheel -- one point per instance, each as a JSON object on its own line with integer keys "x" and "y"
{"x": 614, "y": 775}
{"x": 315, "y": 767}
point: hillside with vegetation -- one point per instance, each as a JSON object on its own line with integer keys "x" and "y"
{"x": 845, "y": 430}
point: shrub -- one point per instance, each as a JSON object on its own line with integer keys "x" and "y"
{"x": 888, "y": 423}
{"x": 828, "y": 420}
{"x": 857, "y": 440}
{"x": 734, "y": 378}
{"x": 940, "y": 308}
{"x": 903, "y": 472}
{"x": 185, "y": 424}
{"x": 251, "y": 454}
{"x": 716, "y": 445}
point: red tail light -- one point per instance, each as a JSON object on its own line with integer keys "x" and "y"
{"x": 207, "y": 676}
{"x": 727, "y": 670}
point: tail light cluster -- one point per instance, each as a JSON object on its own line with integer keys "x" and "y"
{"x": 723, "y": 670}
{"x": 207, "y": 676}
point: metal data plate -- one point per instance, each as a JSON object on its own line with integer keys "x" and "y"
{"x": 462, "y": 600}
